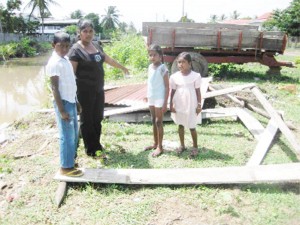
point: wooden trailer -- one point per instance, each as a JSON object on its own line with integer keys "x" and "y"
{"x": 217, "y": 43}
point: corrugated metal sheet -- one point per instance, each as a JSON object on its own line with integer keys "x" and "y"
{"x": 129, "y": 95}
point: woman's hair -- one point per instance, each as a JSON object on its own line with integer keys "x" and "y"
{"x": 61, "y": 36}
{"x": 156, "y": 48}
{"x": 85, "y": 23}
{"x": 186, "y": 56}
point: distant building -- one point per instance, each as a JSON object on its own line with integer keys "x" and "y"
{"x": 53, "y": 25}
{"x": 255, "y": 22}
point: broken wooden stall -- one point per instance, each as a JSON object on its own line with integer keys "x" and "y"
{"x": 252, "y": 172}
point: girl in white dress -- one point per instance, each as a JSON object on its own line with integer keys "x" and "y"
{"x": 185, "y": 100}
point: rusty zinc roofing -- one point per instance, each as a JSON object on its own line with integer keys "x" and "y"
{"x": 129, "y": 95}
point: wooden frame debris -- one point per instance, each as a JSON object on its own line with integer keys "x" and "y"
{"x": 252, "y": 172}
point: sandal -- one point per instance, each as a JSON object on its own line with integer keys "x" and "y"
{"x": 180, "y": 149}
{"x": 157, "y": 152}
{"x": 71, "y": 173}
{"x": 194, "y": 153}
{"x": 151, "y": 147}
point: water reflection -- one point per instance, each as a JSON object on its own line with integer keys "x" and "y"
{"x": 22, "y": 88}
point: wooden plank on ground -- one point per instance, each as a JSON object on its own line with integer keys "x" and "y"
{"x": 252, "y": 124}
{"x": 264, "y": 143}
{"x": 204, "y": 87}
{"x": 219, "y": 113}
{"x": 61, "y": 193}
{"x": 125, "y": 110}
{"x": 217, "y": 175}
{"x": 282, "y": 126}
{"x": 227, "y": 90}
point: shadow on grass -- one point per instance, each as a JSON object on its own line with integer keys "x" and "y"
{"x": 205, "y": 154}
{"x": 242, "y": 74}
{"x": 287, "y": 150}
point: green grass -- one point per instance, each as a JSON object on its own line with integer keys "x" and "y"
{"x": 224, "y": 142}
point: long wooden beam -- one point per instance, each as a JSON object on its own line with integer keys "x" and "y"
{"x": 227, "y": 90}
{"x": 282, "y": 126}
{"x": 216, "y": 175}
{"x": 264, "y": 143}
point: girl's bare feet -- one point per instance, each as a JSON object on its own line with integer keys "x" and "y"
{"x": 180, "y": 149}
{"x": 151, "y": 147}
{"x": 194, "y": 152}
{"x": 157, "y": 152}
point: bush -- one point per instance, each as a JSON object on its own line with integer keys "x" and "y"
{"x": 25, "y": 47}
{"x": 131, "y": 51}
{"x": 223, "y": 70}
{"x": 8, "y": 50}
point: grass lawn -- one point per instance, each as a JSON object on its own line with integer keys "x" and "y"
{"x": 27, "y": 188}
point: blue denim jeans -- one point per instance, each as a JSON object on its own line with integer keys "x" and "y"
{"x": 68, "y": 134}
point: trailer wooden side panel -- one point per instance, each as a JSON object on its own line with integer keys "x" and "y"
{"x": 204, "y": 38}
{"x": 147, "y": 25}
{"x": 213, "y": 36}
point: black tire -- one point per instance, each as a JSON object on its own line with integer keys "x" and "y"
{"x": 199, "y": 64}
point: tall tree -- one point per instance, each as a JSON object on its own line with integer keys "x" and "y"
{"x": 235, "y": 15}
{"x": 111, "y": 19}
{"x": 95, "y": 20}
{"x": 287, "y": 20}
{"x": 223, "y": 17}
{"x": 78, "y": 14}
{"x": 8, "y": 17}
{"x": 42, "y": 6}
{"x": 213, "y": 19}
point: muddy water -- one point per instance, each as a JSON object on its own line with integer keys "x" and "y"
{"x": 22, "y": 87}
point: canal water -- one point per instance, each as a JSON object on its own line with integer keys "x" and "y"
{"x": 22, "y": 87}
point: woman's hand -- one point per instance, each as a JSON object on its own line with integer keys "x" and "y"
{"x": 198, "y": 110}
{"x": 125, "y": 71}
{"x": 172, "y": 109}
{"x": 79, "y": 108}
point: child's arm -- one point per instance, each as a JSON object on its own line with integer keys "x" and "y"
{"x": 171, "y": 101}
{"x": 198, "y": 94}
{"x": 57, "y": 97}
{"x": 167, "y": 90}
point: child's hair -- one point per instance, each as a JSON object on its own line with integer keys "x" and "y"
{"x": 186, "y": 56}
{"x": 61, "y": 36}
{"x": 85, "y": 23}
{"x": 156, "y": 48}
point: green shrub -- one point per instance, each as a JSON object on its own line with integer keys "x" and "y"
{"x": 131, "y": 51}
{"x": 26, "y": 47}
{"x": 223, "y": 70}
{"x": 8, "y": 50}
{"x": 297, "y": 61}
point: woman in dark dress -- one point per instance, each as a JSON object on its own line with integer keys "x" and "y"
{"x": 87, "y": 58}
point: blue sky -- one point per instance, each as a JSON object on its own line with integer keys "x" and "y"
{"x": 138, "y": 11}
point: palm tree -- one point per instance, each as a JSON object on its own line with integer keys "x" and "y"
{"x": 235, "y": 15}
{"x": 42, "y": 6}
{"x": 78, "y": 14}
{"x": 213, "y": 18}
{"x": 223, "y": 17}
{"x": 111, "y": 19}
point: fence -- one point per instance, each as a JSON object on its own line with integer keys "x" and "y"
{"x": 8, "y": 37}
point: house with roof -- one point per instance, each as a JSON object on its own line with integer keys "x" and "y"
{"x": 52, "y": 25}
{"x": 255, "y": 22}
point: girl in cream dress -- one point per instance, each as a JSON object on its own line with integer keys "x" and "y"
{"x": 185, "y": 100}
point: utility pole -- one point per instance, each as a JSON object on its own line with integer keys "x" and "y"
{"x": 182, "y": 8}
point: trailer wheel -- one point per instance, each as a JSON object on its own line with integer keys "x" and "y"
{"x": 199, "y": 64}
